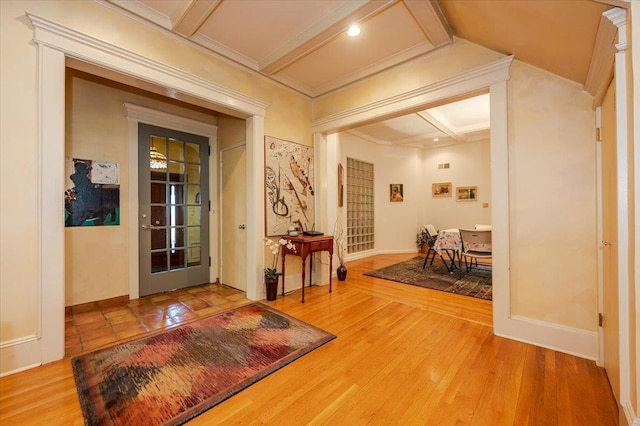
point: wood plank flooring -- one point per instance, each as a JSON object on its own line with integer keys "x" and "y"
{"x": 403, "y": 355}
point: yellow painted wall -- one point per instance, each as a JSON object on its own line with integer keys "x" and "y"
{"x": 97, "y": 258}
{"x": 287, "y": 117}
{"x": 553, "y": 199}
{"x": 461, "y": 57}
{"x": 552, "y": 178}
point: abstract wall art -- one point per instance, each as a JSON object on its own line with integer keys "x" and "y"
{"x": 289, "y": 186}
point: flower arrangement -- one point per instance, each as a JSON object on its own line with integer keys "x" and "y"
{"x": 275, "y": 248}
{"x": 422, "y": 237}
{"x": 338, "y": 238}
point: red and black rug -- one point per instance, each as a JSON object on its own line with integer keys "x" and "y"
{"x": 169, "y": 378}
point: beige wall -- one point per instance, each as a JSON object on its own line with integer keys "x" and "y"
{"x": 552, "y": 179}
{"x": 97, "y": 258}
{"x": 462, "y": 56}
{"x": 553, "y": 199}
{"x": 470, "y": 165}
{"x": 287, "y": 117}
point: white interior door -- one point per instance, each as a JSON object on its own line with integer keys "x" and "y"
{"x": 611, "y": 344}
{"x": 233, "y": 217}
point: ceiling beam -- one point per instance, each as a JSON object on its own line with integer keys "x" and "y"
{"x": 431, "y": 20}
{"x": 441, "y": 126}
{"x": 191, "y": 18}
{"x": 321, "y": 33}
{"x": 601, "y": 67}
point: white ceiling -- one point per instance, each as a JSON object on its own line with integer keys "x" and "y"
{"x": 302, "y": 44}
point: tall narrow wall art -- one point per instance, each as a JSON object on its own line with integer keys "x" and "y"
{"x": 289, "y": 186}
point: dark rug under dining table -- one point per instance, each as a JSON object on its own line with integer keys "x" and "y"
{"x": 476, "y": 283}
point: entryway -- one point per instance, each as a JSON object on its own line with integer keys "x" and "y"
{"x": 173, "y": 191}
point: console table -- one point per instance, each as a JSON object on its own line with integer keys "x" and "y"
{"x": 304, "y": 246}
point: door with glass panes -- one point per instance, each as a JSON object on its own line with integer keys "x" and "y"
{"x": 173, "y": 209}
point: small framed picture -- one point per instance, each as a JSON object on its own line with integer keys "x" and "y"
{"x": 396, "y": 193}
{"x": 442, "y": 189}
{"x": 467, "y": 193}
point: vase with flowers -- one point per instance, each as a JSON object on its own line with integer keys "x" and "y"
{"x": 271, "y": 275}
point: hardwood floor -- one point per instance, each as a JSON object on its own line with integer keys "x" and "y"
{"x": 403, "y": 355}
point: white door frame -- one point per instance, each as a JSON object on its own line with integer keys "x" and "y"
{"x": 137, "y": 114}
{"x": 492, "y": 77}
{"x": 55, "y": 43}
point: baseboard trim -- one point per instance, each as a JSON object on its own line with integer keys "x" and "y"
{"x": 629, "y": 415}
{"x": 19, "y": 355}
{"x": 561, "y": 338}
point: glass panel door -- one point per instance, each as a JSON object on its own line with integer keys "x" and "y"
{"x": 173, "y": 191}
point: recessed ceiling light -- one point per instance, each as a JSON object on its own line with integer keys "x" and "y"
{"x": 436, "y": 139}
{"x": 353, "y": 31}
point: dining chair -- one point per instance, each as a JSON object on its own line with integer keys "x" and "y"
{"x": 476, "y": 244}
{"x": 433, "y": 235}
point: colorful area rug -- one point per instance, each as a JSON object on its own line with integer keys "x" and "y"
{"x": 476, "y": 283}
{"x": 169, "y": 378}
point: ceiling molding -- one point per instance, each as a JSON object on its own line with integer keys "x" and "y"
{"x": 466, "y": 82}
{"x": 432, "y": 22}
{"x": 601, "y": 67}
{"x": 214, "y": 47}
{"x": 367, "y": 137}
{"x": 321, "y": 33}
{"x": 193, "y": 16}
{"x": 81, "y": 46}
{"x": 420, "y": 50}
{"x": 441, "y": 126}
{"x": 143, "y": 11}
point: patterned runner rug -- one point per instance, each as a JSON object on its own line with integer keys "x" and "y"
{"x": 173, "y": 376}
{"x": 476, "y": 283}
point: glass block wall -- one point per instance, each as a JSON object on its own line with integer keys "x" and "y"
{"x": 360, "y": 216}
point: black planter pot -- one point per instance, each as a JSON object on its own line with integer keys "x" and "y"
{"x": 272, "y": 287}
{"x": 342, "y": 273}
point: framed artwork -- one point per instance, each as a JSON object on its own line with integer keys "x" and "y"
{"x": 289, "y": 190}
{"x": 396, "y": 193}
{"x": 467, "y": 193}
{"x": 340, "y": 185}
{"x": 442, "y": 189}
{"x": 92, "y": 195}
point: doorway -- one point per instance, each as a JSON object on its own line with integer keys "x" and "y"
{"x": 173, "y": 190}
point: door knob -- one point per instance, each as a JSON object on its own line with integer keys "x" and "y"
{"x": 243, "y": 226}
{"x": 607, "y": 243}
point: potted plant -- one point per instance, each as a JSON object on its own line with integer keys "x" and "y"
{"x": 338, "y": 238}
{"x": 422, "y": 240}
{"x": 271, "y": 274}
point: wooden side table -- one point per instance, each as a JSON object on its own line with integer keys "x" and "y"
{"x": 304, "y": 246}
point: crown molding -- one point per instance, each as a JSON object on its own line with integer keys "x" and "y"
{"x": 321, "y": 33}
{"x": 475, "y": 79}
{"x": 62, "y": 38}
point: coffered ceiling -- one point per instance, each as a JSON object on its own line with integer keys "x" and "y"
{"x": 303, "y": 45}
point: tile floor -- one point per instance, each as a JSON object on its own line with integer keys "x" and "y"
{"x": 92, "y": 325}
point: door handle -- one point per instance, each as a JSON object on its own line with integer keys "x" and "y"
{"x": 147, "y": 227}
{"x": 243, "y": 226}
{"x": 607, "y": 243}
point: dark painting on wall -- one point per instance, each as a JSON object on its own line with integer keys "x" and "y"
{"x": 92, "y": 197}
